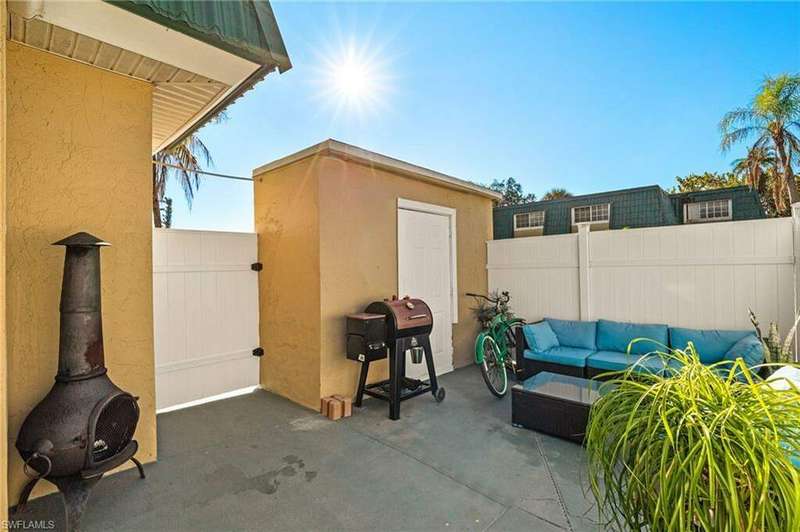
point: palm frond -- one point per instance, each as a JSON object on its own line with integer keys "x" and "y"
{"x": 735, "y": 136}
{"x": 187, "y": 156}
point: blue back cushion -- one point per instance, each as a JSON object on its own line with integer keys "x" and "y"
{"x": 749, "y": 348}
{"x": 574, "y": 333}
{"x": 539, "y": 336}
{"x": 711, "y": 344}
{"x": 616, "y": 336}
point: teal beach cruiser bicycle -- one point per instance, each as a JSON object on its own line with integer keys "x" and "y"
{"x": 494, "y": 343}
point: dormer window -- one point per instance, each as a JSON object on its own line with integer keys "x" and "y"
{"x": 528, "y": 220}
{"x": 708, "y": 211}
{"x": 600, "y": 213}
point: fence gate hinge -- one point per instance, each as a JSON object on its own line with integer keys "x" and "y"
{"x": 258, "y": 352}
{"x": 256, "y": 266}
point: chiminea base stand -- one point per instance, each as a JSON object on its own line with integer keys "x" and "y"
{"x": 74, "y": 489}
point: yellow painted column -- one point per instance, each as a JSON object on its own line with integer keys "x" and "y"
{"x": 3, "y": 365}
{"x": 78, "y": 159}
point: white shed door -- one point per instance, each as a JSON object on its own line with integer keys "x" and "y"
{"x": 424, "y": 270}
{"x": 205, "y": 311}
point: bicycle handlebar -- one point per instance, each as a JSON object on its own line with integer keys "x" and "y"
{"x": 504, "y": 297}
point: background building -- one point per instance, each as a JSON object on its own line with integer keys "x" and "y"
{"x": 648, "y": 206}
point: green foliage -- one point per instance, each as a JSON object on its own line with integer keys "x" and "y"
{"x": 707, "y": 181}
{"x": 759, "y": 170}
{"x": 695, "y": 451}
{"x": 556, "y": 193}
{"x": 512, "y": 192}
{"x": 186, "y": 159}
{"x": 775, "y": 349}
{"x": 485, "y": 311}
{"x": 773, "y": 120}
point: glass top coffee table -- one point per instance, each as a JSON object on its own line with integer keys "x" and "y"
{"x": 555, "y": 404}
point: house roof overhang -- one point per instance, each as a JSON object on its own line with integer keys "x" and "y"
{"x": 348, "y": 152}
{"x": 200, "y": 56}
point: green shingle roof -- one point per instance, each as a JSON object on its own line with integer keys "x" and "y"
{"x": 245, "y": 28}
{"x": 648, "y": 206}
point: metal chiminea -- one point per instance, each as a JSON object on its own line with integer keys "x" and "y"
{"x": 84, "y": 426}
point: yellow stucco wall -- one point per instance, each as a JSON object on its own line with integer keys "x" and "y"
{"x": 358, "y": 252}
{"x": 78, "y": 152}
{"x": 343, "y": 215}
{"x": 3, "y": 374}
{"x": 286, "y": 207}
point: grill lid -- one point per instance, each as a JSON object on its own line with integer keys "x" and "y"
{"x": 410, "y": 313}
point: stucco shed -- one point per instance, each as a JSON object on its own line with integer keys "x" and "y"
{"x": 339, "y": 227}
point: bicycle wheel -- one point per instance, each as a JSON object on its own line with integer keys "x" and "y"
{"x": 493, "y": 368}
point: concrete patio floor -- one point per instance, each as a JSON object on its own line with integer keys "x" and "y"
{"x": 259, "y": 462}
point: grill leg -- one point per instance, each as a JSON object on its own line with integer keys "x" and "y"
{"x": 426, "y": 344}
{"x": 75, "y": 491}
{"x": 397, "y": 357}
{"x": 362, "y": 382}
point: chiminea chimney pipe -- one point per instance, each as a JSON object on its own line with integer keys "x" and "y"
{"x": 80, "y": 352}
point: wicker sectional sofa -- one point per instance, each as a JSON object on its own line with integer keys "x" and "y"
{"x": 590, "y": 348}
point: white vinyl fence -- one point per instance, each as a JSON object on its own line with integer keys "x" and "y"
{"x": 205, "y": 311}
{"x": 698, "y": 276}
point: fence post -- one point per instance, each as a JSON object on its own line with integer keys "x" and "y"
{"x": 583, "y": 271}
{"x": 796, "y": 268}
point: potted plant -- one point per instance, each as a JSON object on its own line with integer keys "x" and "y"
{"x": 709, "y": 447}
{"x": 776, "y": 351}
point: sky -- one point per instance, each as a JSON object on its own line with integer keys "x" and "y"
{"x": 584, "y": 96}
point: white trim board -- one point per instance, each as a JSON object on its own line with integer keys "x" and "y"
{"x": 113, "y": 25}
{"x": 411, "y": 205}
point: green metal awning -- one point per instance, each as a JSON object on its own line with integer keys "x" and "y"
{"x": 245, "y": 28}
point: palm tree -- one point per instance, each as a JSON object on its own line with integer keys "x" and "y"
{"x": 773, "y": 118}
{"x": 759, "y": 169}
{"x": 556, "y": 193}
{"x": 184, "y": 158}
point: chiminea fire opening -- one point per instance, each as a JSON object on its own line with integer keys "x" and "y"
{"x": 84, "y": 426}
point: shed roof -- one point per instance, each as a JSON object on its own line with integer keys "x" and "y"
{"x": 348, "y": 152}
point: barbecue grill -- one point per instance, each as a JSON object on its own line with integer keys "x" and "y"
{"x": 393, "y": 328}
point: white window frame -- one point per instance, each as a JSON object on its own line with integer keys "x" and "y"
{"x": 528, "y": 214}
{"x": 411, "y": 205}
{"x": 591, "y": 222}
{"x": 707, "y": 203}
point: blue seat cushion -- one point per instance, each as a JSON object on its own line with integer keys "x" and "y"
{"x": 573, "y": 333}
{"x": 617, "y": 336}
{"x": 748, "y": 348}
{"x": 616, "y": 361}
{"x": 711, "y": 344}
{"x": 539, "y": 336}
{"x": 566, "y": 356}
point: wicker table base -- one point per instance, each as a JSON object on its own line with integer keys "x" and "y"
{"x": 554, "y": 404}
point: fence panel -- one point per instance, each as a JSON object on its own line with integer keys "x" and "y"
{"x": 541, "y": 273}
{"x": 205, "y": 302}
{"x": 699, "y": 276}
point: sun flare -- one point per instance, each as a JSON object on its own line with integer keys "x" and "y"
{"x": 353, "y": 79}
